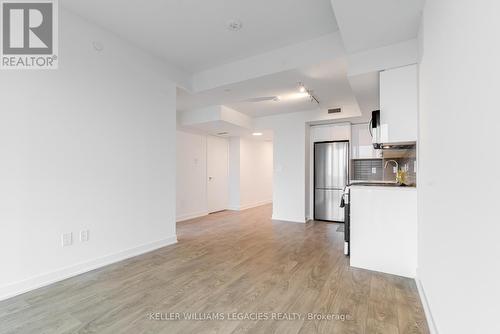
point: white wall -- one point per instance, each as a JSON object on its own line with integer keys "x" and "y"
{"x": 256, "y": 173}
{"x": 234, "y": 173}
{"x": 191, "y": 175}
{"x": 289, "y": 182}
{"x": 88, "y": 146}
{"x": 292, "y": 160}
{"x": 459, "y": 251}
{"x": 308, "y": 174}
{"x": 250, "y": 173}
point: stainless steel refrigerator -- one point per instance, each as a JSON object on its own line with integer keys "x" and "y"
{"x": 331, "y": 164}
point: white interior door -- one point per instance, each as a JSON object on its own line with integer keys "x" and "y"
{"x": 217, "y": 174}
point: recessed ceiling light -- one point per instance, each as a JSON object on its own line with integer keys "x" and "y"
{"x": 234, "y": 25}
{"x": 257, "y": 134}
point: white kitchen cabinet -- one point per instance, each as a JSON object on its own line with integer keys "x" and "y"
{"x": 361, "y": 143}
{"x": 383, "y": 229}
{"x": 398, "y": 104}
{"x": 330, "y": 132}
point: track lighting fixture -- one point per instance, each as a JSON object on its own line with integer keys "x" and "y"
{"x": 303, "y": 89}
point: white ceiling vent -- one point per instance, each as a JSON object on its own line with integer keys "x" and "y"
{"x": 334, "y": 111}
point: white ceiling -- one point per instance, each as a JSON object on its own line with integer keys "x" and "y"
{"x": 327, "y": 80}
{"x": 368, "y": 24}
{"x": 192, "y": 34}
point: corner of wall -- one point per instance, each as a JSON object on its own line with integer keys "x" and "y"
{"x": 426, "y": 306}
{"x": 289, "y": 219}
{"x": 193, "y": 215}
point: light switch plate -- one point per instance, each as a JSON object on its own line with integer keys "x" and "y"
{"x": 67, "y": 239}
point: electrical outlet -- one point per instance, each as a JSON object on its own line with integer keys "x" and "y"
{"x": 84, "y": 235}
{"x": 67, "y": 239}
{"x": 374, "y": 170}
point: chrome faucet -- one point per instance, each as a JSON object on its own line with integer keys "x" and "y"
{"x": 397, "y": 167}
{"x": 395, "y": 162}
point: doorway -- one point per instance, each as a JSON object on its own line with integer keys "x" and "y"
{"x": 217, "y": 174}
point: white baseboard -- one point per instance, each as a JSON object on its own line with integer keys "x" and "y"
{"x": 256, "y": 204}
{"x": 36, "y": 282}
{"x": 289, "y": 220}
{"x": 189, "y": 216}
{"x": 249, "y": 206}
{"x": 425, "y": 304}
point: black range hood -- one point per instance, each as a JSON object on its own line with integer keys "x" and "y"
{"x": 398, "y": 146}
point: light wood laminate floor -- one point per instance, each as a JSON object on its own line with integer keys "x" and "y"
{"x": 238, "y": 264}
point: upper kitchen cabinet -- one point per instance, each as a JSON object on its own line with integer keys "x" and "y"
{"x": 398, "y": 104}
{"x": 361, "y": 143}
{"x": 330, "y": 132}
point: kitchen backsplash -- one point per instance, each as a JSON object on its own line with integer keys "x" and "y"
{"x": 367, "y": 170}
{"x": 373, "y": 169}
